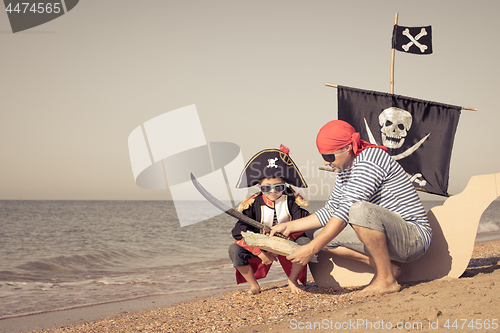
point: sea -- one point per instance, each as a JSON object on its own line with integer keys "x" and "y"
{"x": 57, "y": 255}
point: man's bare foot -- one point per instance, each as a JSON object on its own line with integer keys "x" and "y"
{"x": 379, "y": 288}
{"x": 396, "y": 270}
{"x": 253, "y": 290}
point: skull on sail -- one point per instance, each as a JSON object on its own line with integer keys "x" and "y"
{"x": 395, "y": 124}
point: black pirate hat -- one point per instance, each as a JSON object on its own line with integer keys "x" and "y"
{"x": 271, "y": 163}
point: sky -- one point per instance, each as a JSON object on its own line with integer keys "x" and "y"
{"x": 72, "y": 90}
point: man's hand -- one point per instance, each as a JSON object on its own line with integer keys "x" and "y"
{"x": 267, "y": 257}
{"x": 283, "y": 228}
{"x": 302, "y": 255}
{"x": 305, "y": 223}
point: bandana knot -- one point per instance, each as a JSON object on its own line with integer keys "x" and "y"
{"x": 337, "y": 134}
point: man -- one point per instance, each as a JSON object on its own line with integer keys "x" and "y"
{"x": 373, "y": 215}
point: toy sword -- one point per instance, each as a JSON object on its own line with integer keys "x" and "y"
{"x": 231, "y": 211}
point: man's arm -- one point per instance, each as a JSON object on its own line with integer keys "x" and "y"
{"x": 303, "y": 224}
{"x": 303, "y": 254}
{"x": 329, "y": 232}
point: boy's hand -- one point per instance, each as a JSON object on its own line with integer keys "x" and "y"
{"x": 266, "y": 230}
{"x": 267, "y": 257}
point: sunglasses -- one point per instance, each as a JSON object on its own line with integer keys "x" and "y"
{"x": 330, "y": 158}
{"x": 268, "y": 188}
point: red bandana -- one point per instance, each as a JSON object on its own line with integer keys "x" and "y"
{"x": 337, "y": 134}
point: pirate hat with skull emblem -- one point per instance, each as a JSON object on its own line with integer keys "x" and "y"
{"x": 271, "y": 163}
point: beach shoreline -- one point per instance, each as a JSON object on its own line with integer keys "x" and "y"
{"x": 474, "y": 296}
{"x": 81, "y": 314}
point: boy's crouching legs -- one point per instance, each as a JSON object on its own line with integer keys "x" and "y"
{"x": 240, "y": 256}
{"x": 247, "y": 273}
{"x": 293, "y": 282}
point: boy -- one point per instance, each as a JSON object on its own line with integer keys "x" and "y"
{"x": 271, "y": 170}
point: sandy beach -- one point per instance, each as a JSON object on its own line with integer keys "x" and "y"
{"x": 468, "y": 304}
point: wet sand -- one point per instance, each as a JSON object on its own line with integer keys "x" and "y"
{"x": 468, "y": 304}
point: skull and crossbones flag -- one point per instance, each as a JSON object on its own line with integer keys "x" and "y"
{"x": 416, "y": 40}
{"x": 418, "y": 134}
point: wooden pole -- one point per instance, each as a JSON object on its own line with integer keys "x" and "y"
{"x": 393, "y": 55}
{"x": 335, "y": 86}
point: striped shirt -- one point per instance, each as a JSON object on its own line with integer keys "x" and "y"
{"x": 375, "y": 177}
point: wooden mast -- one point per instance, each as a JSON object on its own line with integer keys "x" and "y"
{"x": 393, "y": 55}
{"x": 392, "y": 71}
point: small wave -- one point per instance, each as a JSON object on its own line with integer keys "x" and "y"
{"x": 102, "y": 261}
{"x": 121, "y": 283}
{"x": 488, "y": 226}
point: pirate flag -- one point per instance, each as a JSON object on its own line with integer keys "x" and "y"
{"x": 416, "y": 40}
{"x": 418, "y": 134}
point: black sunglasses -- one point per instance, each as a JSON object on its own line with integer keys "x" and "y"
{"x": 268, "y": 188}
